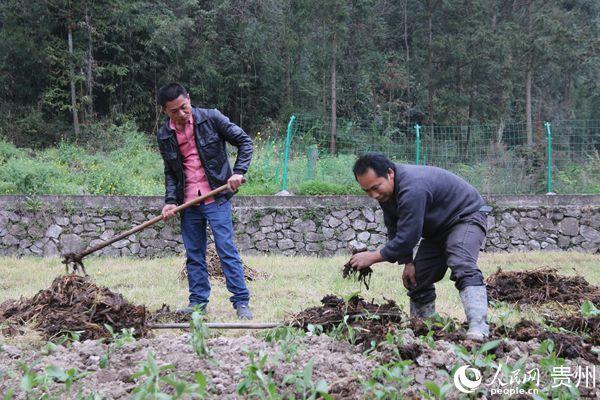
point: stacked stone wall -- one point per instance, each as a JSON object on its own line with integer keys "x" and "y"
{"x": 54, "y": 225}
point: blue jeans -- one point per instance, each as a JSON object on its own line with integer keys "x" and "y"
{"x": 193, "y": 231}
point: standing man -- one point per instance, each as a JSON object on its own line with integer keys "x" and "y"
{"x": 450, "y": 216}
{"x": 192, "y": 145}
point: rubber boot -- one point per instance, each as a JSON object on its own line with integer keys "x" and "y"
{"x": 475, "y": 302}
{"x": 422, "y": 310}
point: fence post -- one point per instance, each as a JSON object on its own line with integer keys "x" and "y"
{"x": 288, "y": 142}
{"x": 548, "y": 158}
{"x": 418, "y": 143}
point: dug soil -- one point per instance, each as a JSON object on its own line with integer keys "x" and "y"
{"x": 540, "y": 286}
{"x": 371, "y": 322}
{"x": 430, "y": 345}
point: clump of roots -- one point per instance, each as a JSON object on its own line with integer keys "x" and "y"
{"x": 363, "y": 276}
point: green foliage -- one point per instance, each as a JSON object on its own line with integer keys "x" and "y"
{"x": 389, "y": 380}
{"x": 199, "y": 333}
{"x": 549, "y": 364}
{"x": 257, "y": 383}
{"x": 67, "y": 377}
{"x": 580, "y": 177}
{"x": 589, "y": 310}
{"x": 479, "y": 357}
{"x": 306, "y": 388}
{"x": 435, "y": 391}
{"x": 287, "y": 339}
{"x": 130, "y": 167}
{"x": 116, "y": 342}
{"x": 150, "y": 386}
{"x": 125, "y": 162}
{"x": 316, "y": 188}
{"x": 8, "y": 151}
{"x": 66, "y": 337}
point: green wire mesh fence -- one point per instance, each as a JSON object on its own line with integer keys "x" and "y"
{"x": 561, "y": 157}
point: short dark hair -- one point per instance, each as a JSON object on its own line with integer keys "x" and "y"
{"x": 170, "y": 92}
{"x": 378, "y": 162}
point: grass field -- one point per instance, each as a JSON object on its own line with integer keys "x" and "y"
{"x": 295, "y": 283}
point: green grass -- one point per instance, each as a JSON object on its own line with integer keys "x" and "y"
{"x": 122, "y": 161}
{"x": 295, "y": 283}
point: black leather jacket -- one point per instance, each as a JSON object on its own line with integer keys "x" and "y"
{"x": 211, "y": 130}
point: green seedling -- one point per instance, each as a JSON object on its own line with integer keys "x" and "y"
{"x": 314, "y": 330}
{"x": 117, "y": 341}
{"x": 428, "y": 339}
{"x": 67, "y": 377}
{"x": 256, "y": 382}
{"x": 306, "y": 388}
{"x": 199, "y": 334}
{"x": 66, "y": 337}
{"x": 550, "y": 362}
{"x": 478, "y": 357}
{"x": 395, "y": 340}
{"x": 183, "y": 389}
{"x": 503, "y": 317}
{"x": 150, "y": 388}
{"x": 435, "y": 391}
{"x": 388, "y": 381}
{"x": 589, "y": 310}
{"x": 284, "y": 333}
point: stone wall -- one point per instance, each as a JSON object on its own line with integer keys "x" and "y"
{"x": 53, "y": 225}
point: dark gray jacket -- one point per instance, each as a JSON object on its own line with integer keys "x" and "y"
{"x": 211, "y": 131}
{"x": 427, "y": 202}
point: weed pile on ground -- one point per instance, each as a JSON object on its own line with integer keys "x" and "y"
{"x": 213, "y": 266}
{"x": 369, "y": 321}
{"x": 74, "y": 303}
{"x": 540, "y": 286}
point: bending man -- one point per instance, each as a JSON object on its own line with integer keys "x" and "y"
{"x": 450, "y": 216}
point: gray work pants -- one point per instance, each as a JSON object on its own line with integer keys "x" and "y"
{"x": 457, "y": 249}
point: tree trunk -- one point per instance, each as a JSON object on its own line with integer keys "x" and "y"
{"x": 407, "y": 60}
{"x": 500, "y": 131}
{"x": 528, "y": 116}
{"x": 430, "y": 64}
{"x": 332, "y": 144}
{"x": 89, "y": 66}
{"x": 470, "y": 108}
{"x": 529, "y": 78}
{"x": 72, "y": 78}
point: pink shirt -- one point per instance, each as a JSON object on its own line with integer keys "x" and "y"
{"x": 196, "y": 182}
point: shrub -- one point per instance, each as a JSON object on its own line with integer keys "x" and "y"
{"x": 316, "y": 188}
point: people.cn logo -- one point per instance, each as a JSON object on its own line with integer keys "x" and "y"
{"x": 465, "y": 384}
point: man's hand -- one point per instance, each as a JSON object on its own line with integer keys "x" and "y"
{"x": 167, "y": 211}
{"x": 409, "y": 276}
{"x": 235, "y": 182}
{"x": 365, "y": 259}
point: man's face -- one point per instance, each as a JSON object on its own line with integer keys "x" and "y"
{"x": 179, "y": 109}
{"x": 381, "y": 188}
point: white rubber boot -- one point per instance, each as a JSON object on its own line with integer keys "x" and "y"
{"x": 475, "y": 303}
